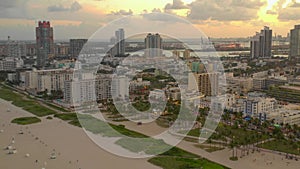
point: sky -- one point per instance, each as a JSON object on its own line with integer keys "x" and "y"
{"x": 81, "y": 18}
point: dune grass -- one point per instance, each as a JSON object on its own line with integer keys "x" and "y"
{"x": 26, "y": 120}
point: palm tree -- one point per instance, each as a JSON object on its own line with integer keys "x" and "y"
{"x": 232, "y": 147}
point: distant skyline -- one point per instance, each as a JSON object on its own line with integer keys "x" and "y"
{"x": 81, "y": 18}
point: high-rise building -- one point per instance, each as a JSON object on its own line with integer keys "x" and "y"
{"x": 153, "y": 44}
{"x": 15, "y": 49}
{"x": 120, "y": 87}
{"x": 208, "y": 83}
{"x": 295, "y": 42}
{"x": 266, "y": 42}
{"x": 77, "y": 92}
{"x": 47, "y": 80}
{"x": 44, "y": 43}
{"x": 261, "y": 44}
{"x": 255, "y": 47}
{"x": 62, "y": 50}
{"x": 75, "y": 46}
{"x": 120, "y": 42}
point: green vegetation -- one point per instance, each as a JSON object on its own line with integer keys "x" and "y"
{"x": 234, "y": 158}
{"x": 282, "y": 145}
{"x": 27, "y": 104}
{"x": 142, "y": 105}
{"x": 176, "y": 158}
{"x": 67, "y": 116}
{"x": 239, "y": 135}
{"x": 49, "y": 118}
{"x": 56, "y": 107}
{"x": 210, "y": 148}
{"x": 177, "y": 152}
{"x": 71, "y": 118}
{"x": 26, "y": 120}
{"x": 97, "y": 126}
{"x": 147, "y": 145}
{"x": 3, "y": 76}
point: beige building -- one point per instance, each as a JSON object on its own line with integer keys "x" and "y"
{"x": 245, "y": 84}
{"x": 103, "y": 87}
{"x": 47, "y": 80}
{"x": 31, "y": 80}
{"x": 259, "y": 83}
{"x": 291, "y": 117}
{"x": 174, "y": 93}
{"x": 206, "y": 83}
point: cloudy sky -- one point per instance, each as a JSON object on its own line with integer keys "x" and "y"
{"x": 81, "y": 18}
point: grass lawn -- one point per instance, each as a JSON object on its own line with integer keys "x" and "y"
{"x": 209, "y": 149}
{"x": 97, "y": 126}
{"x": 184, "y": 163}
{"x": 56, "y": 107}
{"x": 26, "y": 120}
{"x": 71, "y": 118}
{"x": 282, "y": 146}
{"x": 148, "y": 145}
{"x": 27, "y": 104}
{"x": 177, "y": 158}
{"x": 177, "y": 152}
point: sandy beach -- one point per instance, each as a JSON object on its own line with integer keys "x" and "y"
{"x": 70, "y": 144}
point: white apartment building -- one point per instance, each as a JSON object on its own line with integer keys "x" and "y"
{"x": 259, "y": 107}
{"x": 10, "y": 64}
{"x": 120, "y": 87}
{"x": 78, "y": 92}
{"x": 47, "y": 80}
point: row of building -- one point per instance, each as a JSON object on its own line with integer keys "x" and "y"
{"x": 10, "y": 64}
{"x": 261, "y": 43}
{"x": 258, "y": 105}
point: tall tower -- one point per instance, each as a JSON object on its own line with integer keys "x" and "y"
{"x": 261, "y": 44}
{"x": 255, "y": 46}
{"x": 76, "y": 46}
{"x": 266, "y": 42}
{"x": 153, "y": 44}
{"x": 295, "y": 42}
{"x": 120, "y": 38}
{"x": 44, "y": 43}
